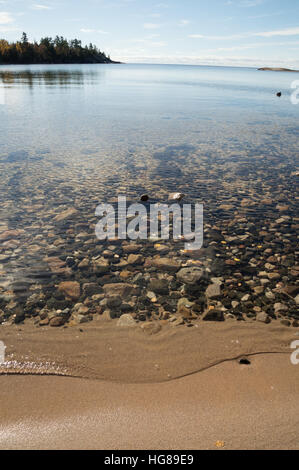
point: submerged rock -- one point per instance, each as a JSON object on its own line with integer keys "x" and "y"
{"x": 70, "y": 289}
{"x": 184, "y": 308}
{"x": 57, "y": 321}
{"x": 214, "y": 315}
{"x": 190, "y": 275}
{"x": 123, "y": 290}
{"x": 213, "y": 291}
{"x": 159, "y": 286}
{"x": 166, "y": 264}
{"x": 135, "y": 259}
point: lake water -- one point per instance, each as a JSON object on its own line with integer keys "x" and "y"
{"x": 140, "y": 108}
{"x": 78, "y": 135}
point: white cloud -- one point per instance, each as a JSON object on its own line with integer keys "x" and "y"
{"x": 254, "y": 46}
{"x": 141, "y": 56}
{"x": 265, "y": 34}
{"x": 6, "y": 18}
{"x": 151, "y": 26}
{"x": 283, "y": 32}
{"x": 197, "y": 36}
{"x": 245, "y": 3}
{"x": 40, "y": 7}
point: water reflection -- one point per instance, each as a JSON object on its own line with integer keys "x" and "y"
{"x": 44, "y": 77}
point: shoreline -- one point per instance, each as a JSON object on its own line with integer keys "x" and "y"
{"x": 104, "y": 351}
{"x": 60, "y": 63}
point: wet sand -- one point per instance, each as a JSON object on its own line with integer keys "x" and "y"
{"x": 102, "y": 350}
{"x": 182, "y": 388}
{"x": 246, "y": 407}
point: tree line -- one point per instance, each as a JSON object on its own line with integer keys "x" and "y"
{"x": 50, "y": 51}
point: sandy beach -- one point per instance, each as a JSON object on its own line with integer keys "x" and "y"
{"x": 182, "y": 388}
{"x": 244, "y": 407}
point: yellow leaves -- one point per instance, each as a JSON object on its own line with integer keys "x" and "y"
{"x": 219, "y": 444}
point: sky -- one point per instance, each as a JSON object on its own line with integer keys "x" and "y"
{"x": 207, "y": 32}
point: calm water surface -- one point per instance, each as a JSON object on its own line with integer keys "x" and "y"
{"x": 70, "y": 110}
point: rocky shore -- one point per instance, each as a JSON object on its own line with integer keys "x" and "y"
{"x": 277, "y": 69}
{"x": 54, "y": 272}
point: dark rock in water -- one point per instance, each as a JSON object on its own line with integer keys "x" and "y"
{"x": 144, "y": 198}
{"x": 20, "y": 287}
{"x": 114, "y": 302}
{"x": 200, "y": 304}
{"x": 124, "y": 308}
{"x": 293, "y": 291}
{"x": 19, "y": 318}
{"x": 70, "y": 261}
{"x": 217, "y": 267}
{"x": 279, "y": 94}
{"x": 214, "y": 315}
{"x": 159, "y": 286}
{"x": 33, "y": 302}
{"x": 53, "y": 303}
{"x": 91, "y": 288}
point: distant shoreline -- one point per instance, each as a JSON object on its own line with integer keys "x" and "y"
{"x": 108, "y": 61}
{"x": 277, "y": 69}
{"x": 50, "y": 51}
{"x": 60, "y": 63}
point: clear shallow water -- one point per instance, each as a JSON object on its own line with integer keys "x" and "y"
{"x": 76, "y": 135}
{"x": 108, "y": 107}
